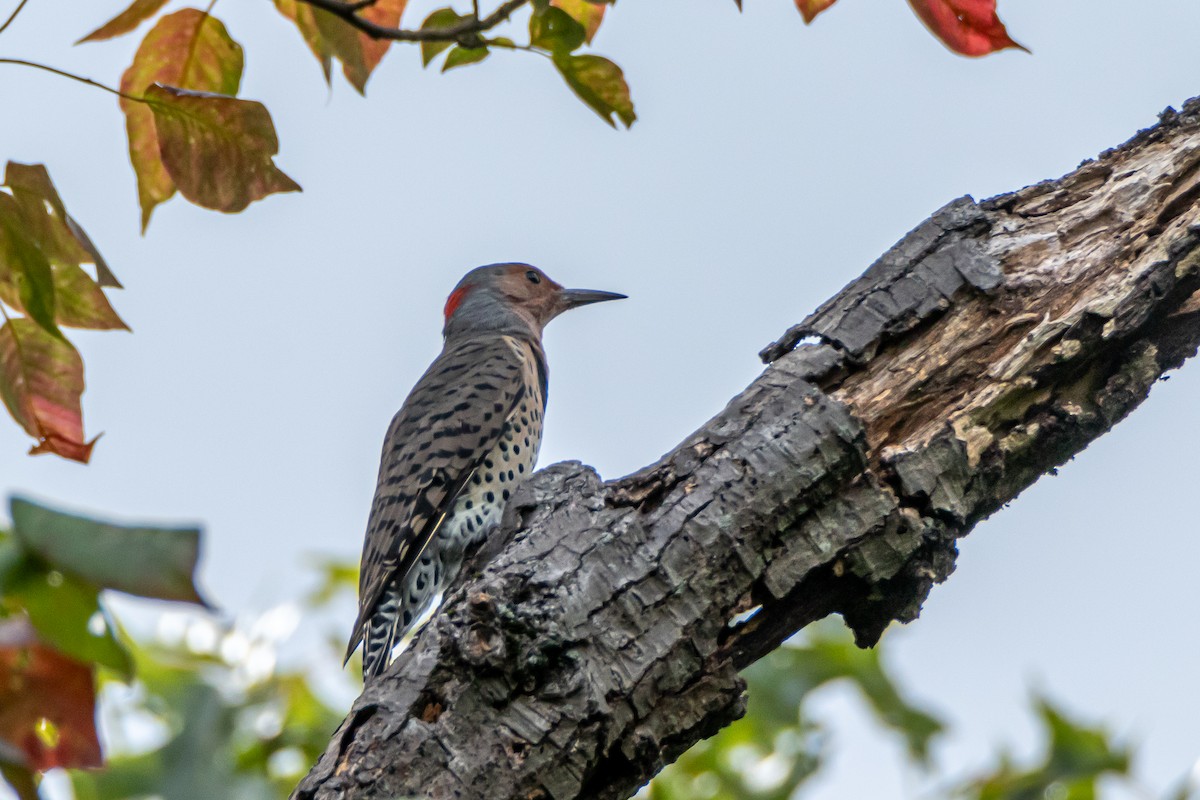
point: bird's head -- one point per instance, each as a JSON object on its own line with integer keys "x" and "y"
{"x": 511, "y": 298}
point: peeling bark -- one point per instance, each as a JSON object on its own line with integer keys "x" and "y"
{"x": 990, "y": 345}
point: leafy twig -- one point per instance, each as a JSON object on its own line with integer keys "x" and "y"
{"x": 465, "y": 27}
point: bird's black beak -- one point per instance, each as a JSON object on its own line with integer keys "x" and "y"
{"x": 574, "y": 298}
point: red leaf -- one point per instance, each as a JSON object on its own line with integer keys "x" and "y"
{"x": 968, "y": 27}
{"x": 810, "y": 8}
{"x": 47, "y": 701}
{"x": 41, "y": 380}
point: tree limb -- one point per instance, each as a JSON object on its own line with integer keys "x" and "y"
{"x": 465, "y": 28}
{"x": 994, "y": 342}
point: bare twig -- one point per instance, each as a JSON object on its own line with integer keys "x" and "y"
{"x": 13, "y": 15}
{"x": 348, "y": 11}
{"x": 46, "y": 68}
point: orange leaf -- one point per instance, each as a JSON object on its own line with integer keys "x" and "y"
{"x": 47, "y": 701}
{"x": 968, "y": 27}
{"x": 127, "y": 20}
{"x": 329, "y": 36}
{"x": 41, "y": 381}
{"x": 188, "y": 49}
{"x": 810, "y": 8}
{"x": 386, "y": 13}
{"x": 586, "y": 13}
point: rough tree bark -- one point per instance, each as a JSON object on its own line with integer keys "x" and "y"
{"x": 990, "y": 345}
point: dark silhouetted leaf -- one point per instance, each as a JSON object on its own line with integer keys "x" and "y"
{"x": 126, "y": 21}
{"x": 41, "y": 380}
{"x": 442, "y": 18}
{"x": 461, "y": 56}
{"x": 217, "y": 149}
{"x": 149, "y": 561}
{"x": 47, "y": 701}
{"x": 557, "y": 31}
{"x": 968, "y": 27}
{"x": 599, "y": 83}
{"x": 188, "y": 49}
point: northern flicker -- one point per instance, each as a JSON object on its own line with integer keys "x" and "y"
{"x": 466, "y": 436}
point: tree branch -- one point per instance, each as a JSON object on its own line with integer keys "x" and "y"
{"x": 466, "y": 27}
{"x": 995, "y": 341}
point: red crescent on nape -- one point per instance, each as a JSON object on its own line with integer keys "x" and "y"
{"x": 455, "y": 300}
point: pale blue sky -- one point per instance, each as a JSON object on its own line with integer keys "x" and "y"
{"x": 770, "y": 165}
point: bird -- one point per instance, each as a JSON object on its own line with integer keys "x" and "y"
{"x": 463, "y": 440}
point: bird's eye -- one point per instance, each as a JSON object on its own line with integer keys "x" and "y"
{"x": 533, "y": 277}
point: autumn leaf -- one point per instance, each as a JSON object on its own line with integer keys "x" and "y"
{"x": 386, "y": 13}
{"x": 41, "y": 381}
{"x": 218, "y": 149}
{"x": 26, "y": 277}
{"x": 968, "y": 27}
{"x": 809, "y": 9}
{"x": 39, "y": 238}
{"x": 189, "y": 49}
{"x": 47, "y": 701}
{"x": 600, "y": 84}
{"x": 304, "y": 17}
{"x": 328, "y": 37}
{"x": 586, "y": 13}
{"x": 126, "y": 21}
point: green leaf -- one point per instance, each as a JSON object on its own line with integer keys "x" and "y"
{"x": 148, "y": 561}
{"x": 67, "y": 614}
{"x": 585, "y": 12}
{"x": 1077, "y": 757}
{"x": 218, "y": 150}
{"x": 126, "y": 21}
{"x": 600, "y": 84}
{"x": 442, "y": 18}
{"x": 557, "y": 31}
{"x": 30, "y": 271}
{"x": 461, "y": 56}
{"x": 34, "y": 222}
{"x": 189, "y": 49}
{"x": 41, "y": 381}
